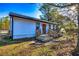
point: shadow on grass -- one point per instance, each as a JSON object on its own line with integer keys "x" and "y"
{"x": 10, "y": 41}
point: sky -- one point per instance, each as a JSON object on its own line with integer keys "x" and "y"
{"x": 28, "y": 9}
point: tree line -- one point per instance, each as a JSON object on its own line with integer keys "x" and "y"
{"x": 4, "y": 23}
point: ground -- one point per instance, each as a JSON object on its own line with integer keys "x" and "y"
{"x": 58, "y": 47}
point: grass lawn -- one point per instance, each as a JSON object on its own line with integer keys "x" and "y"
{"x": 64, "y": 47}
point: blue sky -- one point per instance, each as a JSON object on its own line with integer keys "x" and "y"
{"x": 29, "y": 9}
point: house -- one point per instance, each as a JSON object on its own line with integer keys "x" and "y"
{"x": 22, "y": 26}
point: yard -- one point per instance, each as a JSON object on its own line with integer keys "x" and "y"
{"x": 64, "y": 46}
{"x": 60, "y": 25}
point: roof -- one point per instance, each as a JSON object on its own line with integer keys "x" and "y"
{"x": 27, "y": 17}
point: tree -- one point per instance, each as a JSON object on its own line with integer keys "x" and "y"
{"x": 0, "y": 24}
{"x": 77, "y": 47}
{"x": 45, "y": 9}
{"x": 50, "y": 13}
{"x": 5, "y": 23}
{"x": 70, "y": 25}
{"x": 56, "y": 17}
{"x": 77, "y": 15}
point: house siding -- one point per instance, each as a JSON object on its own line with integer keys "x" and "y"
{"x": 23, "y": 28}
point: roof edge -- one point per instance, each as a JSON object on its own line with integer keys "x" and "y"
{"x": 28, "y": 17}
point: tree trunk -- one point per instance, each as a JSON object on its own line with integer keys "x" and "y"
{"x": 76, "y": 51}
{"x": 78, "y": 28}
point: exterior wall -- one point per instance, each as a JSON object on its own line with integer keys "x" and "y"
{"x": 23, "y": 28}
{"x": 41, "y": 27}
{"x": 47, "y": 28}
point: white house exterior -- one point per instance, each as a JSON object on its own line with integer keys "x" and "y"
{"x": 25, "y": 27}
